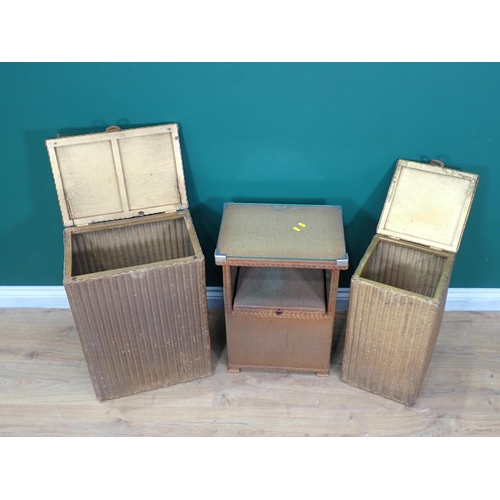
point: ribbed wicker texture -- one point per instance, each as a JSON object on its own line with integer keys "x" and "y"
{"x": 398, "y": 292}
{"x": 143, "y": 329}
{"x": 395, "y": 313}
{"x": 133, "y": 266}
{"x": 129, "y": 245}
{"x": 404, "y": 267}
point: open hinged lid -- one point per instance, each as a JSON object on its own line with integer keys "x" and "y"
{"x": 428, "y": 204}
{"x": 118, "y": 174}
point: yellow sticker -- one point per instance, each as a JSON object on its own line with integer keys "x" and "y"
{"x": 301, "y": 224}
{"x": 296, "y": 229}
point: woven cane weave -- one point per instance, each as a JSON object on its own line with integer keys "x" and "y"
{"x": 281, "y": 288}
{"x": 267, "y": 232}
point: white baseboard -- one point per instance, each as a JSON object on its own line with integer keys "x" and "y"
{"x": 473, "y": 299}
{"x": 459, "y": 299}
{"x": 33, "y": 296}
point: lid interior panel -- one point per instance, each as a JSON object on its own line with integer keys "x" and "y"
{"x": 149, "y": 171}
{"x": 428, "y": 204}
{"x": 90, "y": 169}
{"x": 118, "y": 174}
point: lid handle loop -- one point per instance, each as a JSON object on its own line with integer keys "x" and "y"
{"x": 113, "y": 128}
{"x": 437, "y": 163}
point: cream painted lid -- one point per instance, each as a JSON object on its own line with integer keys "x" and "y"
{"x": 118, "y": 174}
{"x": 428, "y": 204}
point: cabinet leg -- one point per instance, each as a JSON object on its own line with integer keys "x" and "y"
{"x": 232, "y": 369}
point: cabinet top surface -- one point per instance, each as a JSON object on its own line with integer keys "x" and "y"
{"x": 281, "y": 232}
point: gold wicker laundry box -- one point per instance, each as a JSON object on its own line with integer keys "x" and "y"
{"x": 281, "y": 267}
{"x": 398, "y": 292}
{"x": 134, "y": 271}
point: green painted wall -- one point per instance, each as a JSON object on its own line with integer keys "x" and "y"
{"x": 298, "y": 133}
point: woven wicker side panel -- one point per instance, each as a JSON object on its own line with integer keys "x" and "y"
{"x": 435, "y": 332}
{"x": 280, "y": 343}
{"x": 130, "y": 245}
{"x": 404, "y": 267}
{"x": 143, "y": 329}
{"x": 390, "y": 337}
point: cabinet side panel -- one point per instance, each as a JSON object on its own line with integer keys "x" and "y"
{"x": 390, "y": 336}
{"x": 438, "y": 320}
{"x": 143, "y": 329}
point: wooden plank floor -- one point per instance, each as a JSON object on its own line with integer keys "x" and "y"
{"x": 45, "y": 390}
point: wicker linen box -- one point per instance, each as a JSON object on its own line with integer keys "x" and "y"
{"x": 134, "y": 271}
{"x": 398, "y": 292}
{"x": 280, "y": 272}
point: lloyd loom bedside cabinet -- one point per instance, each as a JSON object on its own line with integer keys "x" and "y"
{"x": 280, "y": 269}
{"x": 134, "y": 271}
{"x": 399, "y": 289}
